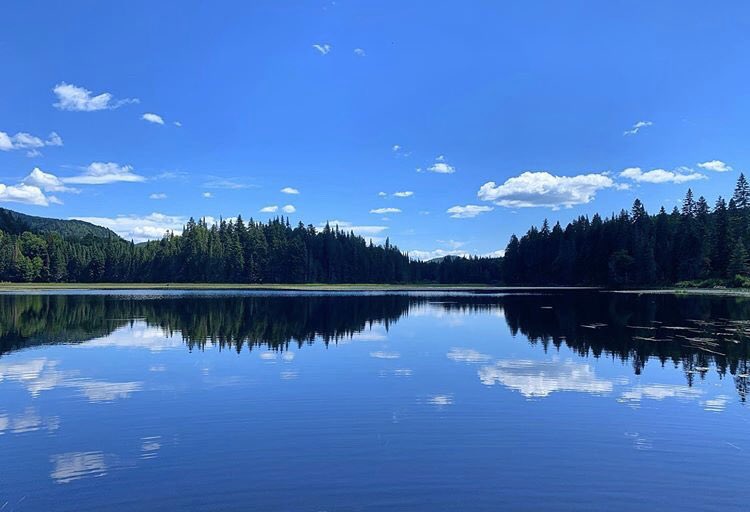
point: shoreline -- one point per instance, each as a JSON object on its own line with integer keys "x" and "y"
{"x": 26, "y": 287}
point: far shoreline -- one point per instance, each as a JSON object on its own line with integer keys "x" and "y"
{"x": 27, "y": 287}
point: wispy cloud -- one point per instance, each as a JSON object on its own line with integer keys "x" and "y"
{"x": 324, "y": 49}
{"x": 288, "y": 208}
{"x": 158, "y": 195}
{"x": 381, "y": 211}
{"x": 74, "y": 98}
{"x": 406, "y": 193}
{"x": 468, "y": 211}
{"x": 637, "y": 127}
{"x": 289, "y": 190}
{"x": 269, "y": 209}
{"x": 226, "y": 183}
{"x": 359, "y": 52}
{"x": 102, "y": 173}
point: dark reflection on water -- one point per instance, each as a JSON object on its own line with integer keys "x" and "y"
{"x": 692, "y": 332}
{"x": 373, "y": 402}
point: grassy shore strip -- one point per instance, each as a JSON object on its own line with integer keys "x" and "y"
{"x": 23, "y": 287}
{"x": 718, "y": 292}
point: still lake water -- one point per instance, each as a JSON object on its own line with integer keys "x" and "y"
{"x": 376, "y": 401}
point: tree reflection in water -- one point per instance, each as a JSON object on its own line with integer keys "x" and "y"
{"x": 697, "y": 333}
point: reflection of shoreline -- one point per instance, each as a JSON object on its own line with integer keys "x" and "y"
{"x": 695, "y": 332}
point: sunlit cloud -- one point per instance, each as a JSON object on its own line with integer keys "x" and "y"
{"x": 32, "y": 143}
{"x": 73, "y": 98}
{"x": 542, "y": 189}
{"x": 152, "y": 118}
{"x": 468, "y": 211}
{"x": 537, "y": 379}
{"x": 716, "y": 166}
{"x": 660, "y": 175}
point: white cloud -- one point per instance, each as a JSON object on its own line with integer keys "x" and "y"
{"x": 158, "y": 195}
{"x": 406, "y": 193}
{"x": 660, "y": 175}
{"x": 74, "y": 98}
{"x": 637, "y": 394}
{"x": 269, "y": 209}
{"x": 23, "y": 140}
{"x": 102, "y": 173}
{"x": 226, "y": 183}
{"x": 207, "y": 195}
{"x": 715, "y": 165}
{"x": 46, "y": 181}
{"x": 442, "y": 253}
{"x": 396, "y": 148}
{"x": 25, "y": 194}
{"x": 440, "y": 400}
{"x": 381, "y": 211}
{"x": 152, "y": 118}
{"x": 288, "y": 208}
{"x": 140, "y": 228}
{"x": 6, "y": 143}
{"x": 177, "y": 123}
{"x": 468, "y": 211}
{"x": 382, "y": 194}
{"x": 531, "y": 189}
{"x": 637, "y": 127}
{"x": 467, "y": 355}
{"x": 323, "y": 48}
{"x": 385, "y": 355}
{"x": 442, "y": 168}
{"x": 541, "y": 378}
{"x": 289, "y": 190}
{"x": 72, "y": 466}
{"x": 359, "y": 52}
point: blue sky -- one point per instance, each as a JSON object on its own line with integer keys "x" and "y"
{"x": 485, "y": 116}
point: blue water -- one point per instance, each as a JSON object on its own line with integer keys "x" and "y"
{"x": 279, "y": 402}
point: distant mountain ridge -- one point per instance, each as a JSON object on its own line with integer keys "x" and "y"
{"x": 16, "y": 223}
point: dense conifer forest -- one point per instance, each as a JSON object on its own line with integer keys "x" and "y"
{"x": 230, "y": 251}
{"x": 696, "y": 243}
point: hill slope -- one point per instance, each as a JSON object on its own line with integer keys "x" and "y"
{"x": 16, "y": 223}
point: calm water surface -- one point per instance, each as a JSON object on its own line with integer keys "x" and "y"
{"x": 312, "y": 402}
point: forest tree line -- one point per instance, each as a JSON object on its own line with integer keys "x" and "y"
{"x": 696, "y": 242}
{"x": 230, "y": 251}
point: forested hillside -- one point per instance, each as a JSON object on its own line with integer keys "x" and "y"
{"x": 16, "y": 223}
{"x": 227, "y": 252}
{"x": 696, "y": 242}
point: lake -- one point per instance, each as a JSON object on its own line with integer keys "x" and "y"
{"x": 273, "y": 401}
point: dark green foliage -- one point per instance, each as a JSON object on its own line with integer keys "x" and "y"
{"x": 227, "y": 252}
{"x": 16, "y": 223}
{"x": 634, "y": 248}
